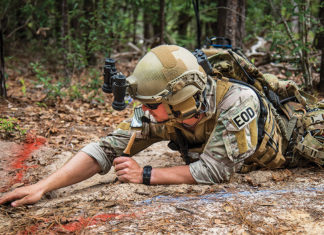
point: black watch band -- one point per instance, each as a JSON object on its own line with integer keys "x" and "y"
{"x": 147, "y": 175}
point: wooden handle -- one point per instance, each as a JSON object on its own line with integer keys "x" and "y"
{"x": 129, "y": 145}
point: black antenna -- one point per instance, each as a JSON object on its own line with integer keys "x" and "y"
{"x": 195, "y": 4}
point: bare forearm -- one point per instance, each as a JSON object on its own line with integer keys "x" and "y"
{"x": 79, "y": 168}
{"x": 172, "y": 175}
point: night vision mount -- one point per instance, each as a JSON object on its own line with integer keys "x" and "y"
{"x": 115, "y": 82}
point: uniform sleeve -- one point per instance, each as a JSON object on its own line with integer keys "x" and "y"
{"x": 232, "y": 141}
{"x": 113, "y": 145}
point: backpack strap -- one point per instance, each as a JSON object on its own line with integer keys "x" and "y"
{"x": 222, "y": 87}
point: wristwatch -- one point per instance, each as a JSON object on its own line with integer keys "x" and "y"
{"x": 147, "y": 175}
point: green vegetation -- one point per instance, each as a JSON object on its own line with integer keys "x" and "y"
{"x": 10, "y": 126}
{"x": 67, "y": 37}
{"x": 291, "y": 27}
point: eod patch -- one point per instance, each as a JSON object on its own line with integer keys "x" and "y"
{"x": 243, "y": 118}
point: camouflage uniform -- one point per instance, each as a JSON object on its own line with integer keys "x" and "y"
{"x": 241, "y": 130}
{"x": 215, "y": 145}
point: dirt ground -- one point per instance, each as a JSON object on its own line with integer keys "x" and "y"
{"x": 262, "y": 202}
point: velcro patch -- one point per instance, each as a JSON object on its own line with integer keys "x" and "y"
{"x": 244, "y": 117}
{"x": 238, "y": 116}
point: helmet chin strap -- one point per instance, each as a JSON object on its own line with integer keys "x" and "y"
{"x": 168, "y": 110}
{"x": 173, "y": 118}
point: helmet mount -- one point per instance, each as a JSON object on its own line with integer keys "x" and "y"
{"x": 167, "y": 74}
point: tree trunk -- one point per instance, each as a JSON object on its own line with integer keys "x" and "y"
{"x": 183, "y": 21}
{"x": 3, "y": 90}
{"x": 321, "y": 83}
{"x": 65, "y": 39}
{"x": 155, "y": 14}
{"x": 304, "y": 58}
{"x": 152, "y": 26}
{"x": 231, "y": 21}
{"x": 147, "y": 26}
{"x": 162, "y": 16}
{"x": 135, "y": 14}
{"x": 320, "y": 45}
{"x": 195, "y": 4}
{"x": 240, "y": 31}
{"x": 89, "y": 6}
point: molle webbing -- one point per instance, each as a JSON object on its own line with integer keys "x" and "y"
{"x": 269, "y": 153}
{"x": 269, "y": 142}
{"x": 312, "y": 149}
{"x": 311, "y": 146}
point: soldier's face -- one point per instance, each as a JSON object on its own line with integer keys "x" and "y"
{"x": 157, "y": 111}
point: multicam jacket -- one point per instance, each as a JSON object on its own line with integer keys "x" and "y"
{"x": 222, "y": 142}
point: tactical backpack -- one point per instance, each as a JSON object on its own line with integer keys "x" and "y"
{"x": 291, "y": 123}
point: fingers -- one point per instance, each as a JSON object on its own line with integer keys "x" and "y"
{"x": 24, "y": 201}
{"x": 122, "y": 172}
{"x": 25, "y": 195}
{"x": 128, "y": 170}
{"x": 119, "y": 160}
{"x": 9, "y": 197}
{"x": 121, "y": 166}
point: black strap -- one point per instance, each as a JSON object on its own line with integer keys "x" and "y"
{"x": 147, "y": 175}
{"x": 183, "y": 145}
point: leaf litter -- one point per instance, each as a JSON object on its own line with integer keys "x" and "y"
{"x": 286, "y": 201}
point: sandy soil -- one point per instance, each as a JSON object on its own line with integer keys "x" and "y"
{"x": 261, "y": 202}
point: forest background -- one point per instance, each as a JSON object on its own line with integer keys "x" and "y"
{"x": 52, "y": 55}
{"x": 55, "y": 50}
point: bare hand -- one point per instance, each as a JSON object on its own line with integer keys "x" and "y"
{"x": 128, "y": 170}
{"x": 22, "y": 196}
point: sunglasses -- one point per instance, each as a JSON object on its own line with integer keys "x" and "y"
{"x": 152, "y": 106}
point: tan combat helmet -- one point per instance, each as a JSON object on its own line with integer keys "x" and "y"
{"x": 168, "y": 74}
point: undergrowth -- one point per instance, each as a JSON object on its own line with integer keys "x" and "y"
{"x": 9, "y": 127}
{"x": 89, "y": 89}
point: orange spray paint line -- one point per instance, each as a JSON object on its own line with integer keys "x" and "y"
{"x": 19, "y": 162}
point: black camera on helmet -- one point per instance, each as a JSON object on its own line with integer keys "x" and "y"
{"x": 114, "y": 82}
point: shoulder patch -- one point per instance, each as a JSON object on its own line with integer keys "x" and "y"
{"x": 243, "y": 118}
{"x": 239, "y": 116}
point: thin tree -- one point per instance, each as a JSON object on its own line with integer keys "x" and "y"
{"x": 320, "y": 45}
{"x": 301, "y": 51}
{"x": 162, "y": 17}
{"x": 3, "y": 91}
{"x": 65, "y": 38}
